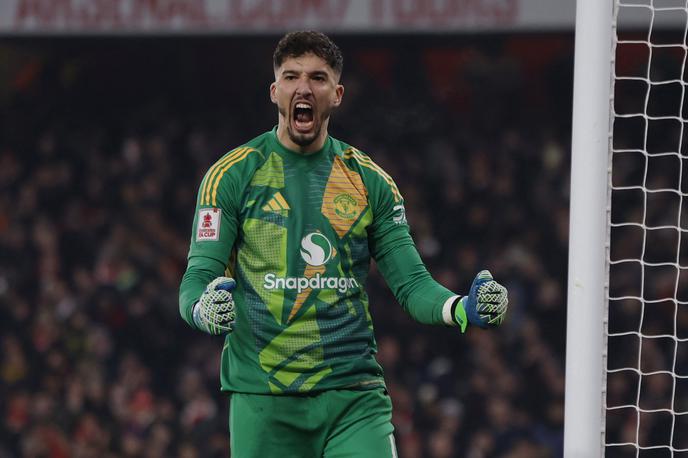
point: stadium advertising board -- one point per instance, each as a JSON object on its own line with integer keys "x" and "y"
{"x": 274, "y": 16}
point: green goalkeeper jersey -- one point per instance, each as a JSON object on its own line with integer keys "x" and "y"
{"x": 297, "y": 232}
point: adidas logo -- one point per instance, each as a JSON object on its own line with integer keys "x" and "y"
{"x": 277, "y": 204}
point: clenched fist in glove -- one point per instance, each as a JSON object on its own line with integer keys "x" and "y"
{"x": 214, "y": 312}
{"x": 484, "y": 306}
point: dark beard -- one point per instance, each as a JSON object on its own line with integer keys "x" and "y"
{"x": 302, "y": 139}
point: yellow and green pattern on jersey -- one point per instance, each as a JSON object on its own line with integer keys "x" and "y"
{"x": 300, "y": 228}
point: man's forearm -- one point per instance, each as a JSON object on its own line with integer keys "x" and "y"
{"x": 413, "y": 286}
{"x": 200, "y": 271}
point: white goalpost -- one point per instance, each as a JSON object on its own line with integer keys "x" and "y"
{"x": 627, "y": 316}
{"x": 583, "y": 423}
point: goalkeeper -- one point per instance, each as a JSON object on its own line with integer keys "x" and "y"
{"x": 284, "y": 231}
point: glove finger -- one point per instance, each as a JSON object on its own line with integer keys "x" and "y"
{"x": 216, "y": 308}
{"x": 491, "y": 286}
{"x": 211, "y": 297}
{"x": 222, "y": 323}
{"x": 484, "y": 275}
{"x": 223, "y": 303}
{"x": 492, "y": 304}
{"x": 225, "y": 319}
{"x": 228, "y": 284}
{"x": 496, "y": 296}
{"x": 496, "y": 321}
{"x": 494, "y": 315}
{"x": 220, "y": 296}
{"x": 493, "y": 308}
{"x": 492, "y": 292}
{"x": 219, "y": 328}
{"x": 221, "y": 284}
{"x": 491, "y": 299}
{"x": 224, "y": 311}
{"x": 499, "y": 305}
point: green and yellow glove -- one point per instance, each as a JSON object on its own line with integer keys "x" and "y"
{"x": 214, "y": 312}
{"x": 485, "y": 305}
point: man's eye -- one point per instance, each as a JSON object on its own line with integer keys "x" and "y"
{"x": 289, "y": 77}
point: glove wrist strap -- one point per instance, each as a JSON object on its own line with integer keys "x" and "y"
{"x": 448, "y": 310}
{"x": 458, "y": 312}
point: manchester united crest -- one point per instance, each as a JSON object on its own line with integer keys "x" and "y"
{"x": 345, "y": 206}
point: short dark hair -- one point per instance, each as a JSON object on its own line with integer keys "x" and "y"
{"x": 296, "y": 44}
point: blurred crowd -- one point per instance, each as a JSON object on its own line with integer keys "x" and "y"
{"x": 103, "y": 143}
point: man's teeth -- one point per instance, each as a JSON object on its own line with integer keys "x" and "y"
{"x": 303, "y": 105}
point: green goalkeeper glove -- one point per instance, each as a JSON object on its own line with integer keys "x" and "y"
{"x": 484, "y": 306}
{"x": 214, "y": 312}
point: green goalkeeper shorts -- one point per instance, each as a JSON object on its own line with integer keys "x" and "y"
{"x": 330, "y": 424}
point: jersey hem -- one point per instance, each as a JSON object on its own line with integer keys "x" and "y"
{"x": 364, "y": 385}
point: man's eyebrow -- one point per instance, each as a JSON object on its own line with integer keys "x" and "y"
{"x": 313, "y": 73}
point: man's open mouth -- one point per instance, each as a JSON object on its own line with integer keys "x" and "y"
{"x": 303, "y": 117}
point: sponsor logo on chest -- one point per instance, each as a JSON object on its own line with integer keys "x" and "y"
{"x": 316, "y": 251}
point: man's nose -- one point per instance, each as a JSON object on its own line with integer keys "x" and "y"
{"x": 304, "y": 86}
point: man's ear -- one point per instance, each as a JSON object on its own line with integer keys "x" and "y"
{"x": 273, "y": 93}
{"x": 338, "y": 94}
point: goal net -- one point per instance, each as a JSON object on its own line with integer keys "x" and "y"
{"x": 645, "y": 400}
